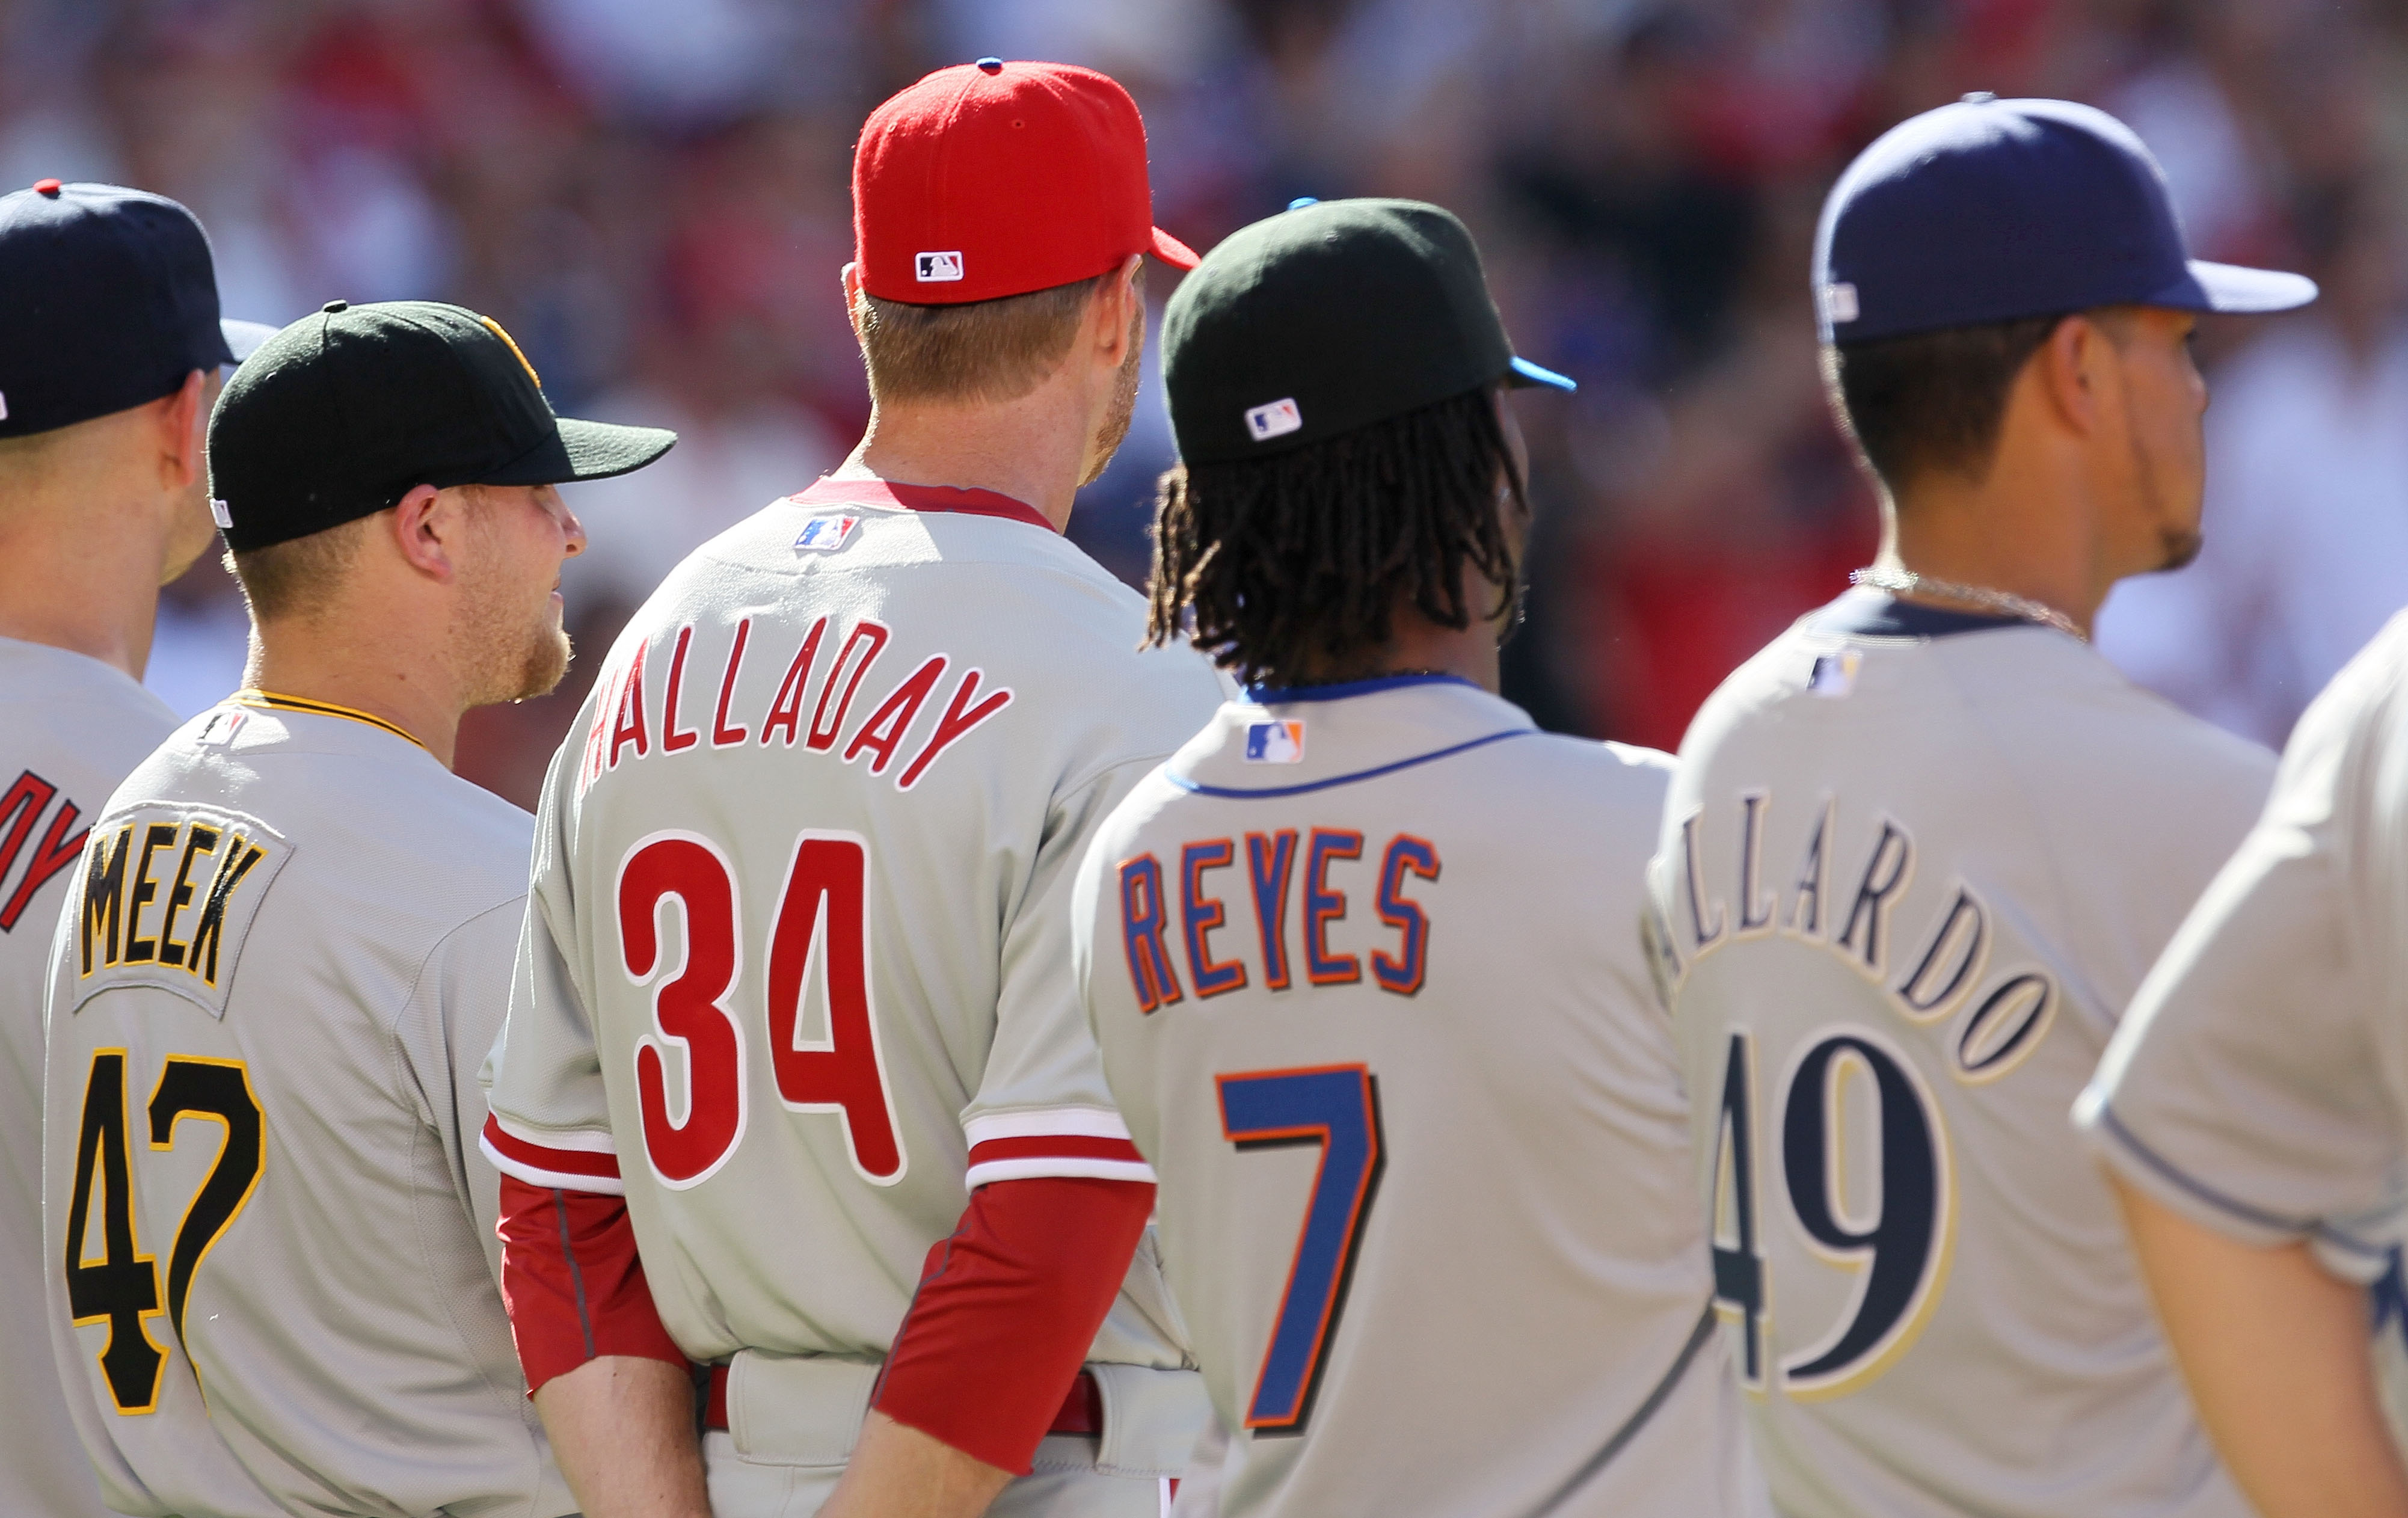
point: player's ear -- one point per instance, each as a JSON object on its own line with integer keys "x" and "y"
{"x": 429, "y": 527}
{"x": 853, "y": 305}
{"x": 185, "y": 431}
{"x": 2069, "y": 369}
{"x": 1118, "y": 313}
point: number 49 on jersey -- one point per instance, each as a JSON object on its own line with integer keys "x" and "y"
{"x": 1894, "y": 1240}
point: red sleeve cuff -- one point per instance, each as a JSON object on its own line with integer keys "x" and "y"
{"x": 573, "y": 1283}
{"x": 1006, "y": 1310}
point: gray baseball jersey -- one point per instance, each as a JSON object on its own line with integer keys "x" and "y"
{"x": 1914, "y": 865}
{"x": 269, "y": 1247}
{"x": 1364, "y": 965}
{"x": 2261, "y": 1084}
{"x": 75, "y": 728}
{"x": 795, "y": 975}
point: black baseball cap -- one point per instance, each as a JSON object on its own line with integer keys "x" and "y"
{"x": 1327, "y": 318}
{"x": 107, "y": 300}
{"x": 1989, "y": 209}
{"x": 346, "y": 411}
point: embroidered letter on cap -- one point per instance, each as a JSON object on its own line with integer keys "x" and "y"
{"x": 221, "y": 514}
{"x": 1839, "y": 302}
{"x": 1275, "y": 420}
{"x": 4, "y": 408}
{"x": 938, "y": 268}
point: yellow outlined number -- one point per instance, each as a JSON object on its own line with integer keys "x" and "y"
{"x": 122, "y": 1286}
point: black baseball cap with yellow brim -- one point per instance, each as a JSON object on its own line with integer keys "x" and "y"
{"x": 344, "y": 412}
{"x": 1324, "y": 318}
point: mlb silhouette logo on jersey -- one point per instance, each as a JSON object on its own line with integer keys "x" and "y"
{"x": 938, "y": 268}
{"x": 1834, "y": 674}
{"x": 824, "y": 535}
{"x": 1275, "y": 743}
{"x": 1276, "y": 420}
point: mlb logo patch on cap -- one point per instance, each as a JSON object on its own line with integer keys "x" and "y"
{"x": 937, "y": 268}
{"x": 1276, "y": 420}
{"x": 1275, "y": 743}
{"x": 824, "y": 535}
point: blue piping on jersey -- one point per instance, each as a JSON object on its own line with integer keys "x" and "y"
{"x": 1232, "y": 792}
{"x": 1276, "y": 696}
{"x": 2233, "y": 1205}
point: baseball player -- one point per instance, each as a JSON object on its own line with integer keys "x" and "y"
{"x": 1417, "y": 1123}
{"x": 111, "y": 348}
{"x": 795, "y": 981}
{"x": 269, "y": 1244}
{"x": 2251, "y": 1109}
{"x": 1922, "y": 848}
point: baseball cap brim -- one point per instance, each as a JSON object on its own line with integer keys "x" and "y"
{"x": 243, "y": 338}
{"x": 1173, "y": 251}
{"x": 2232, "y": 287}
{"x": 1522, "y": 374}
{"x": 584, "y": 451}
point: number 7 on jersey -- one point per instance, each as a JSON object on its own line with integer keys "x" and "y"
{"x": 1337, "y": 1108}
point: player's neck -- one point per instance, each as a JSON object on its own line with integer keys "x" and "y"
{"x": 1033, "y": 449}
{"x": 82, "y": 575}
{"x": 1416, "y": 646}
{"x": 2011, "y": 531}
{"x": 366, "y": 663}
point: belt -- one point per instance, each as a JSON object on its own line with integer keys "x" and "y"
{"x": 1082, "y": 1410}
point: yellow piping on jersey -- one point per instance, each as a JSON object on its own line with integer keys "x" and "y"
{"x": 271, "y": 701}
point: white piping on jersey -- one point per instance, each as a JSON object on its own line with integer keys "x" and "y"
{"x": 273, "y": 701}
{"x": 577, "y": 1140}
{"x": 1047, "y": 1123}
{"x": 551, "y": 1179}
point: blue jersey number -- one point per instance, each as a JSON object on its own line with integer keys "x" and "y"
{"x": 1335, "y": 1107}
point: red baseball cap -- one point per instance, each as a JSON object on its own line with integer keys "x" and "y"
{"x": 991, "y": 179}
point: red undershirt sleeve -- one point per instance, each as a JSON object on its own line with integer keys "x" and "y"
{"x": 1006, "y": 1310}
{"x": 572, "y": 1282}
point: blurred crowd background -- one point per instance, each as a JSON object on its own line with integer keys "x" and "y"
{"x": 651, "y": 195}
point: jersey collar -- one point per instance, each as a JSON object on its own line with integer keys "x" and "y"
{"x": 1865, "y": 613}
{"x": 953, "y": 498}
{"x": 1280, "y": 695}
{"x": 271, "y": 701}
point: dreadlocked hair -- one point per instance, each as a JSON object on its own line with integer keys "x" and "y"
{"x": 1289, "y": 563}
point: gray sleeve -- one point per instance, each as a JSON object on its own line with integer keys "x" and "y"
{"x": 454, "y": 1017}
{"x": 2246, "y": 1087}
{"x": 1044, "y": 1074}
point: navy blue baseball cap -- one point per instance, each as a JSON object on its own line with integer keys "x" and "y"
{"x": 1988, "y": 209}
{"x": 108, "y": 299}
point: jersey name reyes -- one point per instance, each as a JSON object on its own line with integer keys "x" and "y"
{"x": 1842, "y": 894}
{"x": 169, "y": 894}
{"x": 819, "y": 704}
{"x": 1172, "y": 913}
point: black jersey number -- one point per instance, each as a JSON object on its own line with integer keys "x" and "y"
{"x": 120, "y": 1288}
{"x": 1894, "y": 1242}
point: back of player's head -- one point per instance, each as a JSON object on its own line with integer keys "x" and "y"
{"x": 1955, "y": 244}
{"x": 989, "y": 200}
{"x": 1333, "y": 375}
{"x": 109, "y": 299}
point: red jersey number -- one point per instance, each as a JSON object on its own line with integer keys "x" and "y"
{"x": 695, "y": 1105}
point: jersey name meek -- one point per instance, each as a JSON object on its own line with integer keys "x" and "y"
{"x": 1927, "y": 971}
{"x": 1269, "y": 863}
{"x": 623, "y": 729}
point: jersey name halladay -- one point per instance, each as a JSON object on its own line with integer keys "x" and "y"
{"x": 630, "y": 722}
